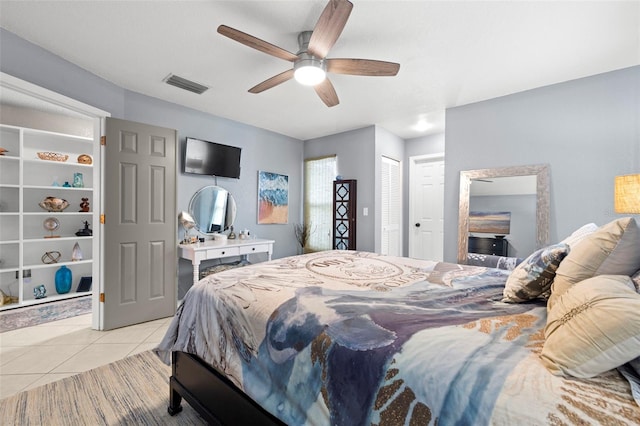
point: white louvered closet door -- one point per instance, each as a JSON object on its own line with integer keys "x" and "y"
{"x": 391, "y": 196}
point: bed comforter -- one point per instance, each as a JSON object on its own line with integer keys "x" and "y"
{"x": 354, "y": 338}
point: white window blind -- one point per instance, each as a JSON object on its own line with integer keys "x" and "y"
{"x": 319, "y": 174}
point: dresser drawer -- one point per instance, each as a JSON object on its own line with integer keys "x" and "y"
{"x": 258, "y": 248}
{"x": 213, "y": 253}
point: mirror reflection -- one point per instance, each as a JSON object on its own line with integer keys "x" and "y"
{"x": 503, "y": 208}
{"x": 213, "y": 209}
{"x": 503, "y": 211}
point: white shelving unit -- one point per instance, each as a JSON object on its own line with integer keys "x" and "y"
{"x": 25, "y": 180}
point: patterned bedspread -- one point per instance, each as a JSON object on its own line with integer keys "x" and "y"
{"x": 355, "y": 338}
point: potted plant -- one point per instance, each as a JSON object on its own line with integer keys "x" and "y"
{"x": 302, "y": 231}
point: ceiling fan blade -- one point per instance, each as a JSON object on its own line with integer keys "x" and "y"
{"x": 366, "y": 67}
{"x": 329, "y": 27}
{"x": 256, "y": 43}
{"x": 272, "y": 82}
{"x": 327, "y": 93}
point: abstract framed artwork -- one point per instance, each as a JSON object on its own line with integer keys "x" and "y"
{"x": 273, "y": 198}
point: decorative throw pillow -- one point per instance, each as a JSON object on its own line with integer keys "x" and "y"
{"x": 593, "y": 327}
{"x": 533, "y": 277}
{"x": 580, "y": 234}
{"x": 614, "y": 249}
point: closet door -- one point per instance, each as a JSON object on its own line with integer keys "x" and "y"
{"x": 344, "y": 214}
{"x": 391, "y": 200}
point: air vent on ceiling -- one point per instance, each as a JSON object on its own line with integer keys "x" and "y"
{"x": 185, "y": 84}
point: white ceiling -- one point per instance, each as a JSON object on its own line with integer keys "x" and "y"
{"x": 451, "y": 53}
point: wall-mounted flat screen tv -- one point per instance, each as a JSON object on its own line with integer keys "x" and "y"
{"x": 210, "y": 158}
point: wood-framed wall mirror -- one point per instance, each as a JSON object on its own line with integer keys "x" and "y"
{"x": 513, "y": 177}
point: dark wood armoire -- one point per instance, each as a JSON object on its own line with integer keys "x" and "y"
{"x": 344, "y": 214}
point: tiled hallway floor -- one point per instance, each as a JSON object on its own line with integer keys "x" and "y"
{"x": 37, "y": 355}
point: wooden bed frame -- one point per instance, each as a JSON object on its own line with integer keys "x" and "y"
{"x": 211, "y": 394}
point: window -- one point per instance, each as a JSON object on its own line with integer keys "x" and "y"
{"x": 319, "y": 174}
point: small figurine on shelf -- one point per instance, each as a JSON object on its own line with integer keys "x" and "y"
{"x": 6, "y": 299}
{"x": 76, "y": 253}
{"x": 78, "y": 181}
{"x": 84, "y": 205}
{"x": 40, "y": 292}
{"x": 86, "y": 232}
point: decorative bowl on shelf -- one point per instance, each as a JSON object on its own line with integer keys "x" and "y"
{"x": 54, "y": 204}
{"x": 52, "y": 156}
{"x": 85, "y": 159}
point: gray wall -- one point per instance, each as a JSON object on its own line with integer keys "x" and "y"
{"x": 355, "y": 150}
{"x": 359, "y": 154}
{"x": 587, "y": 130}
{"x": 262, "y": 149}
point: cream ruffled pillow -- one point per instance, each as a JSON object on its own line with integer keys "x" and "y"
{"x": 593, "y": 327}
{"x": 614, "y": 249}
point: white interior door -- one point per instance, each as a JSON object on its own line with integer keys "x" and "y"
{"x": 140, "y": 259}
{"x": 391, "y": 208}
{"x": 426, "y": 207}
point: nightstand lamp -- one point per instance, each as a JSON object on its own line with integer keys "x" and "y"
{"x": 627, "y": 194}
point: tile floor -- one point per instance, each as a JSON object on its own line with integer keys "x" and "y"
{"x": 34, "y": 356}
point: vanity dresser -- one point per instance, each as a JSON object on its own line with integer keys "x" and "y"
{"x": 212, "y": 249}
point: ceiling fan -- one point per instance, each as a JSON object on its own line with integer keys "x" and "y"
{"x": 311, "y": 64}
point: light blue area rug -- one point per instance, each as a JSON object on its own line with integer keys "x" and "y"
{"x": 131, "y": 391}
{"x": 39, "y": 314}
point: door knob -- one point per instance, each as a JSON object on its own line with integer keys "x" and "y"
{"x": 418, "y": 225}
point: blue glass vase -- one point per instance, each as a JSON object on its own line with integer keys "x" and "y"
{"x": 63, "y": 280}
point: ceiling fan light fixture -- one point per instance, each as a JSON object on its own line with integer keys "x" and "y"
{"x": 309, "y": 71}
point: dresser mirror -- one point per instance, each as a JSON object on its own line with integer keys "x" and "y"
{"x": 213, "y": 210}
{"x": 501, "y": 182}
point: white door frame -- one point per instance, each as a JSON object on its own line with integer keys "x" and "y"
{"x": 413, "y": 160}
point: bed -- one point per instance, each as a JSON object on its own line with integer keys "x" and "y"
{"x": 350, "y": 338}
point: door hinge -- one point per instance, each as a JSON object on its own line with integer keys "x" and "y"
{"x": 102, "y": 219}
{"x": 103, "y": 140}
{"x": 101, "y": 297}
